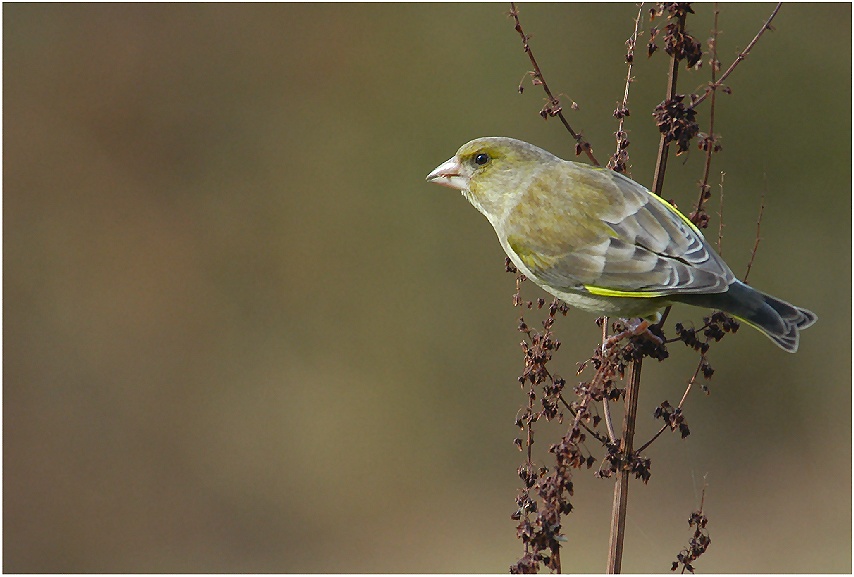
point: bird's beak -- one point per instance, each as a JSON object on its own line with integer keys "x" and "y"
{"x": 449, "y": 174}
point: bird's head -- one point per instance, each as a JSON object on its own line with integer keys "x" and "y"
{"x": 490, "y": 170}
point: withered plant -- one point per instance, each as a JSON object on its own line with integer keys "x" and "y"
{"x": 612, "y": 375}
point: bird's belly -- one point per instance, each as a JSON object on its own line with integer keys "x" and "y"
{"x": 623, "y": 307}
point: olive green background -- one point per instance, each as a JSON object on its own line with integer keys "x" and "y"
{"x": 242, "y": 334}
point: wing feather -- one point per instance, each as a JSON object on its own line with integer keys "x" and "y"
{"x": 647, "y": 248}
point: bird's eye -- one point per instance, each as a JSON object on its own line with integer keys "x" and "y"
{"x": 481, "y": 159}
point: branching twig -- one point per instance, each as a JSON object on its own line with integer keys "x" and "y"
{"x": 668, "y": 425}
{"x": 708, "y": 142}
{"x": 755, "y": 242}
{"x": 596, "y": 435}
{"x": 620, "y": 159}
{"x": 552, "y": 107}
{"x": 712, "y": 87}
{"x": 606, "y": 407}
{"x": 621, "y": 488}
{"x": 721, "y": 217}
{"x": 700, "y": 541}
{"x": 664, "y": 142}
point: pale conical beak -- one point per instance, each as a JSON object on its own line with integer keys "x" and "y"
{"x": 449, "y": 174}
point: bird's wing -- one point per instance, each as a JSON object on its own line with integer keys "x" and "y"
{"x": 644, "y": 248}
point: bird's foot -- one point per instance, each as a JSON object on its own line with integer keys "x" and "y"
{"x": 636, "y": 327}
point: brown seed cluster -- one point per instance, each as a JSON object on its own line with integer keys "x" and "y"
{"x": 677, "y": 42}
{"x": 698, "y": 544}
{"x": 676, "y": 122}
{"x": 673, "y": 417}
{"x": 714, "y": 327}
{"x": 544, "y": 497}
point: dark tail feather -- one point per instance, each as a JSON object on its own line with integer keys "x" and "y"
{"x": 778, "y": 320}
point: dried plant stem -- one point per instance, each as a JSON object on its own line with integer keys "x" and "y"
{"x": 664, "y": 144}
{"x": 711, "y": 142}
{"x": 553, "y": 107}
{"x": 758, "y": 238}
{"x": 679, "y": 406}
{"x": 721, "y": 217}
{"x": 606, "y": 407}
{"x": 712, "y": 87}
{"x": 599, "y": 437}
{"x": 621, "y": 488}
{"x": 619, "y": 160}
{"x": 633, "y": 40}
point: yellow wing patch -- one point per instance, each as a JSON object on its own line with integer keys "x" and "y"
{"x": 604, "y": 292}
{"x": 677, "y": 212}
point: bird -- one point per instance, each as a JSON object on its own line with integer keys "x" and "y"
{"x": 603, "y": 243}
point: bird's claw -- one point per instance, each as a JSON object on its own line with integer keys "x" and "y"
{"x": 639, "y": 327}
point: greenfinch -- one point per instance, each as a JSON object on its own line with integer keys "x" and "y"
{"x": 603, "y": 243}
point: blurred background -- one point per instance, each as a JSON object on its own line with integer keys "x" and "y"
{"x": 242, "y": 334}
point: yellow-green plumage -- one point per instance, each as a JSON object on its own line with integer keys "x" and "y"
{"x": 602, "y": 242}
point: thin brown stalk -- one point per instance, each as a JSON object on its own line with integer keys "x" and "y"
{"x": 619, "y": 160}
{"x": 553, "y": 107}
{"x": 596, "y": 435}
{"x": 712, "y": 87}
{"x": 621, "y": 487}
{"x": 710, "y": 141}
{"x": 606, "y": 407}
{"x": 664, "y": 144}
{"x": 681, "y": 402}
{"x": 721, "y": 217}
{"x": 758, "y": 238}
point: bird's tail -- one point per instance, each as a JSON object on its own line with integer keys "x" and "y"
{"x": 778, "y": 320}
